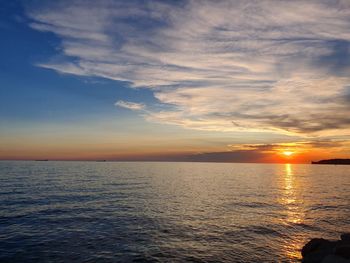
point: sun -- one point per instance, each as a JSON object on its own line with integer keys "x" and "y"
{"x": 288, "y": 153}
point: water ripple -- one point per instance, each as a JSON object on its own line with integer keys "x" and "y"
{"x": 161, "y": 212}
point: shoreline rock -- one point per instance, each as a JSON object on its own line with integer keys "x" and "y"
{"x": 319, "y": 250}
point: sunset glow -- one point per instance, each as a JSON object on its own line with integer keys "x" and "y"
{"x": 185, "y": 131}
{"x": 157, "y": 80}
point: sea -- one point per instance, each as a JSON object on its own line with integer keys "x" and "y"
{"x": 168, "y": 212}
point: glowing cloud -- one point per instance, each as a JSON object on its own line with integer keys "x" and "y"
{"x": 280, "y": 66}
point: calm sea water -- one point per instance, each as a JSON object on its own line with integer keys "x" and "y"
{"x": 168, "y": 212}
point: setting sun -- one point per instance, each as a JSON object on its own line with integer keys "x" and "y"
{"x": 288, "y": 153}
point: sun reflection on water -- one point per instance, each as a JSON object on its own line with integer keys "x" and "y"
{"x": 294, "y": 211}
{"x": 289, "y": 197}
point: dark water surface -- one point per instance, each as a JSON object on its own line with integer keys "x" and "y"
{"x": 168, "y": 212}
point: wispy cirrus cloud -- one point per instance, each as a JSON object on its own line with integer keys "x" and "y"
{"x": 280, "y": 66}
{"x": 130, "y": 105}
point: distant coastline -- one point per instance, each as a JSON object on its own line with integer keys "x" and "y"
{"x": 333, "y": 161}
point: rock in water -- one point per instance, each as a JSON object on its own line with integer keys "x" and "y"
{"x": 319, "y": 250}
{"x": 343, "y": 251}
{"x": 334, "y": 259}
{"x": 345, "y": 237}
{"x": 316, "y": 250}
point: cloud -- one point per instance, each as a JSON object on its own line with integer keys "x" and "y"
{"x": 130, "y": 105}
{"x": 303, "y": 151}
{"x": 279, "y": 66}
{"x": 298, "y": 146}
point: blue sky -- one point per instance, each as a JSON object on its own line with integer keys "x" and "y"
{"x": 30, "y": 93}
{"x": 173, "y": 77}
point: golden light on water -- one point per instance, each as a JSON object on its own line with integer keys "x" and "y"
{"x": 294, "y": 210}
{"x": 289, "y": 199}
{"x": 289, "y": 171}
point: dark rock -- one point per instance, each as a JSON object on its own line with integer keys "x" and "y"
{"x": 313, "y": 245}
{"x": 343, "y": 251}
{"x": 316, "y": 249}
{"x": 334, "y": 259}
{"x": 345, "y": 237}
{"x": 319, "y": 250}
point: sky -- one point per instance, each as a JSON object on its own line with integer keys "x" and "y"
{"x": 216, "y": 81}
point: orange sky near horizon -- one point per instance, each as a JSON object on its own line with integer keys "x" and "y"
{"x": 201, "y": 81}
{"x": 260, "y": 153}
